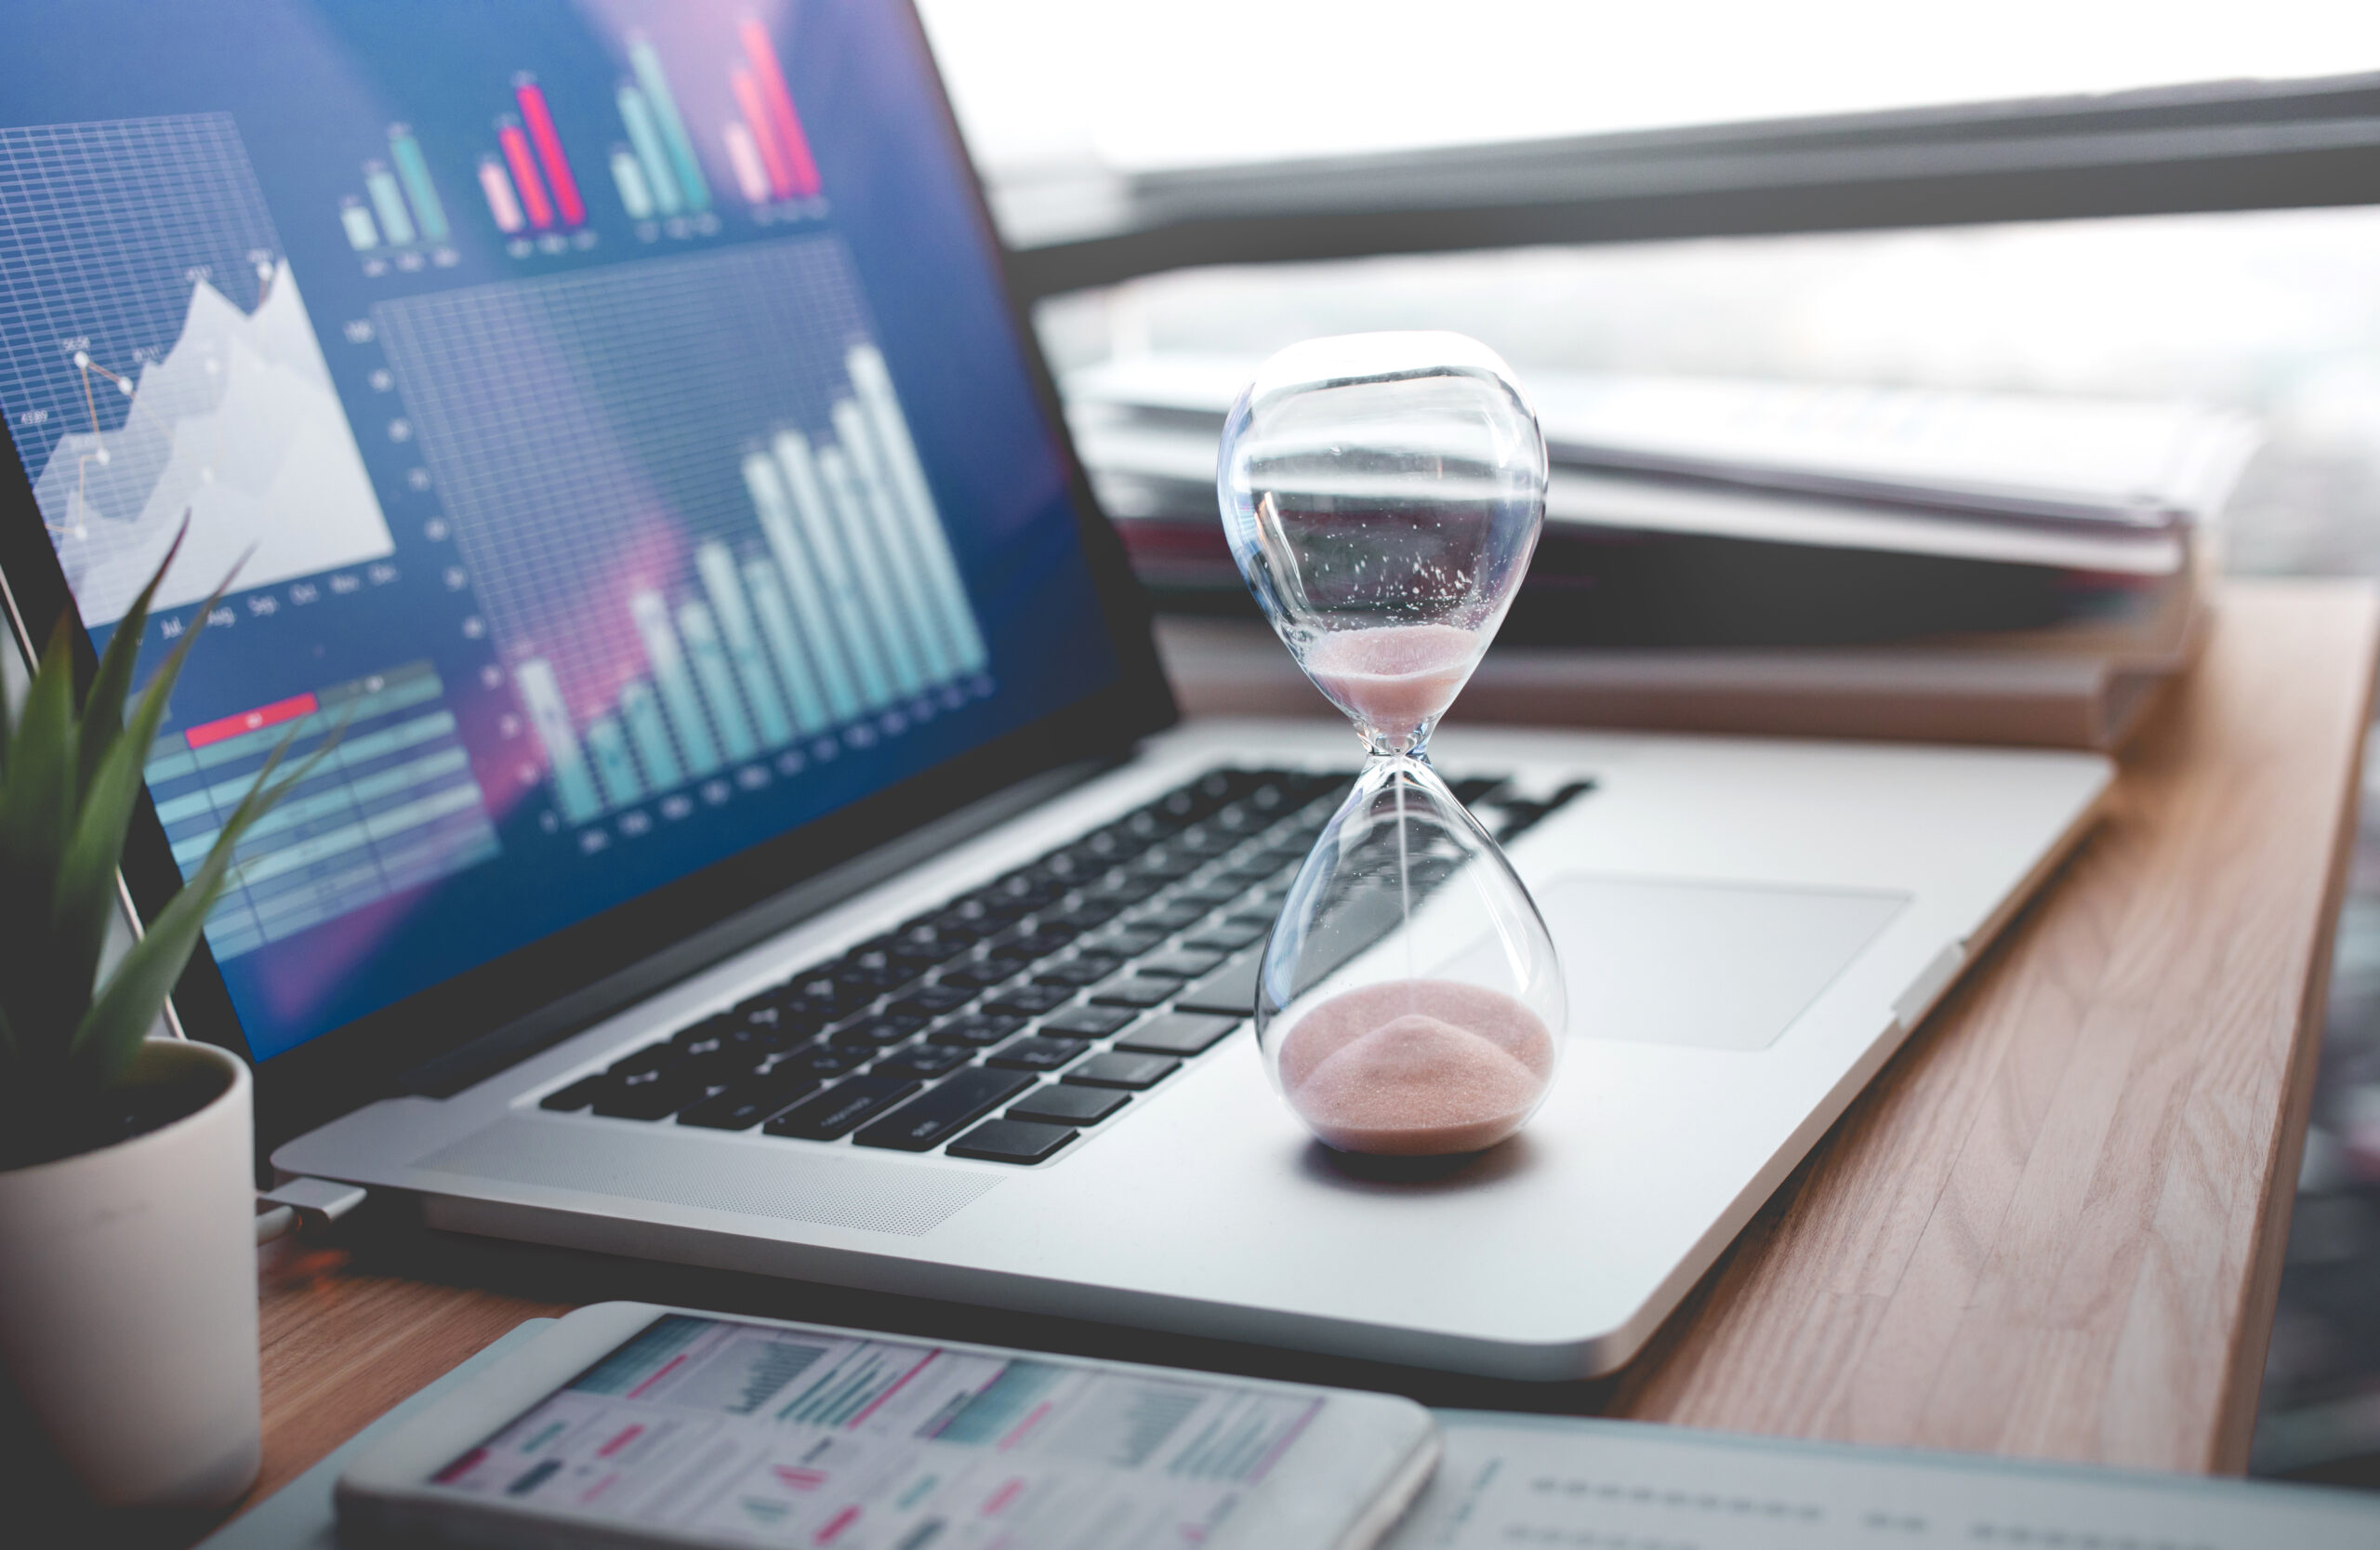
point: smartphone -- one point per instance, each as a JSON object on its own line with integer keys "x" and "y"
{"x": 631, "y": 1425}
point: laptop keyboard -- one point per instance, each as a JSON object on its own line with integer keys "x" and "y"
{"x": 1001, "y": 1025}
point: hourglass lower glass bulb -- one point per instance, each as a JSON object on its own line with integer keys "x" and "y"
{"x": 1410, "y": 1002}
{"x": 1383, "y": 494}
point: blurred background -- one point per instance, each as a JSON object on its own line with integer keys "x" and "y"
{"x": 2174, "y": 201}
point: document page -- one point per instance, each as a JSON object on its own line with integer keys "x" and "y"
{"x": 1544, "y": 1480}
{"x": 780, "y": 1436}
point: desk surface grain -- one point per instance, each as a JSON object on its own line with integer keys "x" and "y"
{"x": 2052, "y": 1226}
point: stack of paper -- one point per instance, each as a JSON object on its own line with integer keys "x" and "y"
{"x": 1780, "y": 558}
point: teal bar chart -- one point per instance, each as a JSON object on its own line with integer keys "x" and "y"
{"x": 707, "y": 573}
{"x": 849, "y": 605}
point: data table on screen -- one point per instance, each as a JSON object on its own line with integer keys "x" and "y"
{"x": 392, "y": 804}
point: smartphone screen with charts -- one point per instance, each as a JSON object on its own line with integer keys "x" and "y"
{"x": 707, "y": 1431}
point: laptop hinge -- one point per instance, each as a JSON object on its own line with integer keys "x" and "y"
{"x": 483, "y": 1057}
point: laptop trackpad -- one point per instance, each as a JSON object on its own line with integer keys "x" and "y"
{"x": 1724, "y": 966}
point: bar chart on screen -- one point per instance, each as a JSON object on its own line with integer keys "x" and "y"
{"x": 675, "y": 154}
{"x": 706, "y": 573}
{"x": 531, "y": 187}
{"x": 850, "y": 616}
{"x": 398, "y": 221}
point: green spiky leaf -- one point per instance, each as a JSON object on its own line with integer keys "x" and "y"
{"x": 69, "y": 780}
{"x": 85, "y": 900}
{"x": 103, "y": 707}
{"x": 37, "y": 824}
{"x": 119, "y": 1018}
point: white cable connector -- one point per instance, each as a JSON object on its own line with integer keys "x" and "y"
{"x": 304, "y": 1203}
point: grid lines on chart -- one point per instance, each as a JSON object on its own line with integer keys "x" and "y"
{"x": 101, "y": 226}
{"x": 584, "y": 431}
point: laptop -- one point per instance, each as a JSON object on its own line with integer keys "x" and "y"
{"x": 758, "y": 834}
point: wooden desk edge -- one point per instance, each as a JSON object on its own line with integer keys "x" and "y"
{"x": 2249, "y": 1353}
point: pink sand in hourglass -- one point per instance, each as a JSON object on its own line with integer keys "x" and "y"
{"x": 1393, "y": 676}
{"x": 1416, "y": 1068}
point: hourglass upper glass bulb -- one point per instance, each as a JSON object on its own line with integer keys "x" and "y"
{"x": 1383, "y": 494}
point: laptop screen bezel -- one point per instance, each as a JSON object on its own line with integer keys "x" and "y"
{"x": 348, "y": 1066}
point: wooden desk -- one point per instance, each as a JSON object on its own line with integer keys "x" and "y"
{"x": 2052, "y": 1226}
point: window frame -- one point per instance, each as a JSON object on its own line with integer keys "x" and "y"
{"x": 2226, "y": 145}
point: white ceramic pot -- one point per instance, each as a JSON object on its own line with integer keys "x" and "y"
{"x": 128, "y": 1297}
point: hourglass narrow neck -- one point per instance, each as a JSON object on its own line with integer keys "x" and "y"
{"x": 1406, "y": 743}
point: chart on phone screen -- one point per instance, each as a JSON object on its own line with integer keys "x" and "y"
{"x": 783, "y": 1436}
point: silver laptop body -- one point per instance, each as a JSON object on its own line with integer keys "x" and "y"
{"x": 1749, "y": 929}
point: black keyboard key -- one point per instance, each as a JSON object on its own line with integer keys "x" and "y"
{"x": 650, "y": 1058}
{"x": 1135, "y": 1073}
{"x": 822, "y": 1060}
{"x": 711, "y": 1041}
{"x": 875, "y": 970}
{"x": 978, "y": 1029}
{"x": 1124, "y": 942}
{"x": 1180, "y": 963}
{"x": 983, "y": 972}
{"x": 1168, "y": 863}
{"x": 937, "y": 934}
{"x": 1061, "y": 1105}
{"x": 1082, "y": 969}
{"x": 707, "y": 1032}
{"x": 747, "y": 1103}
{"x": 718, "y": 1068}
{"x": 881, "y": 1032}
{"x": 1024, "y": 891}
{"x": 974, "y": 914}
{"x": 1230, "y": 989}
{"x": 1086, "y": 1022}
{"x": 768, "y": 1029}
{"x": 1012, "y": 1141}
{"x": 932, "y": 1000}
{"x": 818, "y": 997}
{"x": 922, "y": 1060}
{"x": 1227, "y": 937}
{"x": 1234, "y": 882}
{"x": 1177, "y": 1033}
{"x": 927, "y": 1122}
{"x": 1029, "y": 1000}
{"x": 1471, "y": 790}
{"x": 1137, "y": 991}
{"x": 1206, "y": 841}
{"x": 1171, "y": 917}
{"x": 1212, "y": 895}
{"x": 1038, "y": 1054}
{"x": 842, "y": 1107}
{"x": 646, "y": 1095}
{"x": 1128, "y": 888}
{"x": 1038, "y": 943}
{"x": 1087, "y": 916}
{"x": 577, "y": 1095}
{"x": 1106, "y": 847}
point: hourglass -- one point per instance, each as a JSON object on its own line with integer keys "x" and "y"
{"x": 1383, "y": 494}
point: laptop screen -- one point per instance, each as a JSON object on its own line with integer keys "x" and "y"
{"x": 611, "y": 409}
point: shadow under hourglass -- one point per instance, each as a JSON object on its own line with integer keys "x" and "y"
{"x": 1365, "y": 1173}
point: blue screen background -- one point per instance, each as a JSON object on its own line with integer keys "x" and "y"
{"x": 646, "y": 360}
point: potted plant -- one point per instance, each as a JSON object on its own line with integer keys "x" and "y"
{"x": 127, "y": 1259}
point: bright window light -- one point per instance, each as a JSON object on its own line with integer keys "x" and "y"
{"x": 1145, "y": 84}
